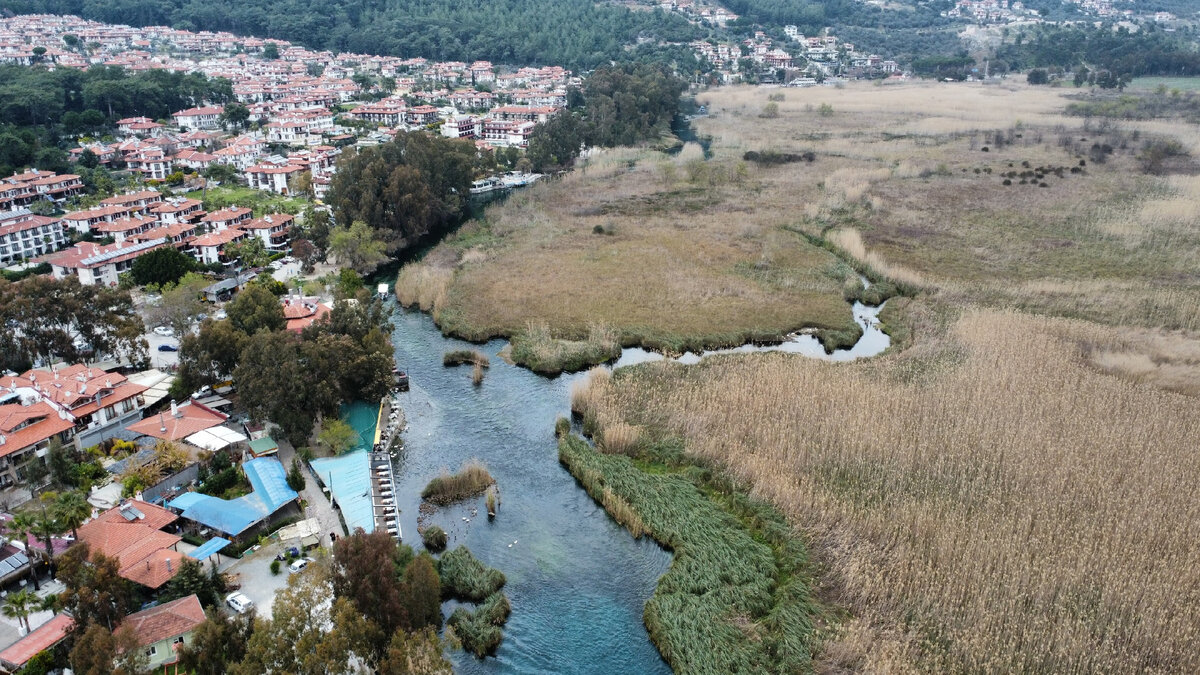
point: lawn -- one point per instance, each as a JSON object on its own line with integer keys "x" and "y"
{"x": 262, "y": 202}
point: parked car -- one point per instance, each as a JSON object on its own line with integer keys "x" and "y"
{"x": 299, "y": 565}
{"x": 239, "y": 603}
{"x": 290, "y": 552}
{"x": 164, "y": 331}
{"x": 167, "y": 348}
{"x": 287, "y": 259}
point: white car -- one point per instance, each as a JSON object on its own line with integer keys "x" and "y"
{"x": 299, "y": 565}
{"x": 164, "y": 331}
{"x": 239, "y": 603}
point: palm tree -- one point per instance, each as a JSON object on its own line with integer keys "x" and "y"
{"x": 20, "y": 605}
{"x": 45, "y": 526}
{"x": 72, "y": 510}
{"x": 22, "y": 525}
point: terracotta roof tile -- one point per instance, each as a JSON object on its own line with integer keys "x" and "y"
{"x": 172, "y": 619}
{"x": 42, "y": 638}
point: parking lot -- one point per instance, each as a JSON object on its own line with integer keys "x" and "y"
{"x": 258, "y": 583}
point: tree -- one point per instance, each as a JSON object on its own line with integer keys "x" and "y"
{"x": 300, "y": 184}
{"x": 306, "y": 253}
{"x": 99, "y": 651}
{"x": 250, "y": 251}
{"x": 255, "y": 308}
{"x": 278, "y": 382}
{"x": 357, "y": 247}
{"x": 72, "y": 510}
{"x": 180, "y": 303}
{"x": 88, "y": 159}
{"x": 235, "y": 115}
{"x": 21, "y": 527}
{"x": 556, "y": 142}
{"x": 366, "y": 570}
{"x": 217, "y": 644}
{"x": 192, "y": 579}
{"x": 171, "y": 457}
{"x": 295, "y": 476}
{"x": 415, "y": 653}
{"x": 95, "y": 591}
{"x": 223, "y": 173}
{"x": 270, "y": 51}
{"x": 207, "y": 357}
{"x": 20, "y": 605}
{"x": 421, "y": 593}
{"x": 315, "y": 227}
{"x": 1038, "y": 76}
{"x": 337, "y": 436}
{"x": 162, "y": 266}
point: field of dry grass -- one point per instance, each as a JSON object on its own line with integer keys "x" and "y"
{"x": 668, "y": 252}
{"x": 984, "y": 501}
{"x": 912, "y": 183}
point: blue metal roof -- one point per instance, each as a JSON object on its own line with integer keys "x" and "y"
{"x": 209, "y": 547}
{"x": 271, "y": 493}
{"x": 349, "y": 479}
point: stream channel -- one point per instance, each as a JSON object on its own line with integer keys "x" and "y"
{"x": 577, "y": 580}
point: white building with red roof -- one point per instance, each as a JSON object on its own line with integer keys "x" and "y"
{"x": 180, "y": 422}
{"x": 24, "y": 235}
{"x": 132, "y": 533}
{"x": 83, "y": 221}
{"x": 274, "y": 230}
{"x": 161, "y": 630}
{"x": 25, "y": 435}
{"x": 230, "y": 216}
{"x": 97, "y": 403}
{"x": 205, "y": 117}
{"x": 273, "y": 177}
{"x": 99, "y": 264}
{"x": 209, "y": 248}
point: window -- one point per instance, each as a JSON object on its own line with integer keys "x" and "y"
{"x": 152, "y": 651}
{"x": 178, "y": 640}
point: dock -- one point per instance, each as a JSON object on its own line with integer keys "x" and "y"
{"x": 383, "y": 494}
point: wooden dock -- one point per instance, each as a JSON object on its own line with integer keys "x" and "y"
{"x": 383, "y": 494}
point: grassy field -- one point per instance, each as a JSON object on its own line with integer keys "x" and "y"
{"x": 635, "y": 247}
{"x": 984, "y": 501}
{"x": 261, "y": 202}
{"x": 1152, "y": 83}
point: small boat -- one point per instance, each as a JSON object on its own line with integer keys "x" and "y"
{"x": 382, "y": 290}
{"x": 401, "y": 379}
{"x": 484, "y": 186}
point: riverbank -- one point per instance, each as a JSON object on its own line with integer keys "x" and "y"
{"x": 737, "y": 597}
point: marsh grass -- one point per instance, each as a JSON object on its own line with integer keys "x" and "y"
{"x": 434, "y": 538}
{"x": 536, "y": 349}
{"x": 465, "y": 578}
{"x": 735, "y": 598}
{"x": 460, "y": 357}
{"x": 986, "y": 500}
{"x": 472, "y": 479}
{"x": 479, "y": 630}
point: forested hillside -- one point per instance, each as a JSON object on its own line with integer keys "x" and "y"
{"x": 1147, "y": 52}
{"x": 573, "y": 33}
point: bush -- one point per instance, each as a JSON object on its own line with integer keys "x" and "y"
{"x": 275, "y": 566}
{"x": 472, "y": 479}
{"x": 434, "y": 539}
{"x": 562, "y": 427}
{"x": 465, "y": 578}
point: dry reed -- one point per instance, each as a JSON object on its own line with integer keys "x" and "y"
{"x": 985, "y": 501}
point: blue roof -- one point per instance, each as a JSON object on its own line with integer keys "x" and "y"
{"x": 349, "y": 479}
{"x": 209, "y": 547}
{"x": 271, "y": 493}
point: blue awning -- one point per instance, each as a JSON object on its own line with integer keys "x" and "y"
{"x": 232, "y": 517}
{"x": 209, "y": 547}
{"x": 349, "y": 479}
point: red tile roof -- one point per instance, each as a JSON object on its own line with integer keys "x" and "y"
{"x": 187, "y": 419}
{"x": 163, "y": 622}
{"x": 45, "y": 423}
{"x": 142, "y": 549}
{"x": 42, "y": 638}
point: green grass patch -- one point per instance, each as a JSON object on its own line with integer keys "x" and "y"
{"x": 465, "y": 578}
{"x": 537, "y": 350}
{"x": 262, "y": 202}
{"x": 736, "y": 598}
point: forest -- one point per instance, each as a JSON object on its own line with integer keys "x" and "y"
{"x": 578, "y": 34}
{"x": 1147, "y": 52}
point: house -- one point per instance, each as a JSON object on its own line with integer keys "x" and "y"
{"x": 26, "y": 431}
{"x": 302, "y": 312}
{"x": 24, "y": 235}
{"x": 210, "y": 248}
{"x": 152, "y": 163}
{"x": 274, "y": 230}
{"x": 43, "y": 638}
{"x": 98, "y": 264}
{"x": 523, "y": 113}
{"x": 83, "y": 221}
{"x": 248, "y": 514}
{"x": 133, "y": 534}
{"x": 58, "y": 187}
{"x": 421, "y": 115}
{"x": 141, "y": 200}
{"x": 386, "y": 112}
{"x": 176, "y": 233}
{"x": 178, "y": 210}
{"x": 182, "y": 421}
{"x": 160, "y": 630}
{"x": 193, "y": 159}
{"x": 206, "y": 117}
{"x": 123, "y": 229}
{"x": 273, "y": 177}
{"x": 97, "y": 403}
{"x": 461, "y": 126}
{"x": 230, "y": 216}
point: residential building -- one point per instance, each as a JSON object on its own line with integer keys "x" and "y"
{"x": 97, "y": 403}
{"x": 83, "y": 221}
{"x": 302, "y": 312}
{"x": 273, "y": 177}
{"x": 141, "y": 200}
{"x": 133, "y": 534}
{"x": 206, "y": 117}
{"x": 24, "y": 235}
{"x": 209, "y": 248}
{"x": 230, "y": 216}
{"x": 247, "y": 515}
{"x": 122, "y": 229}
{"x": 43, "y": 638}
{"x": 27, "y": 428}
{"x": 461, "y": 126}
{"x": 160, "y": 630}
{"x": 178, "y": 210}
{"x": 96, "y": 263}
{"x": 180, "y": 422}
{"x": 274, "y": 230}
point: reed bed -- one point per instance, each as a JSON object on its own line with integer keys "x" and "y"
{"x": 434, "y": 538}
{"x": 460, "y": 357}
{"x": 536, "y": 349}
{"x": 479, "y": 630}
{"x": 735, "y": 598}
{"x": 985, "y": 501}
{"x": 472, "y": 479}
{"x": 465, "y": 578}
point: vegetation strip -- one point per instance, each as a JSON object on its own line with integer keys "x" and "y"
{"x": 472, "y": 479}
{"x": 464, "y": 577}
{"x": 736, "y": 598}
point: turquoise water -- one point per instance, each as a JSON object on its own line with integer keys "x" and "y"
{"x": 361, "y": 416}
{"x": 577, "y": 581}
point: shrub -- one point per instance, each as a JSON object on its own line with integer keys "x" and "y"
{"x": 464, "y": 577}
{"x": 275, "y": 565}
{"x": 434, "y": 538}
{"x": 479, "y": 631}
{"x": 472, "y": 479}
{"x": 562, "y": 427}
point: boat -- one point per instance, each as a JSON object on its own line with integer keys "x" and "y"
{"x": 484, "y": 186}
{"x": 401, "y": 379}
{"x": 382, "y": 290}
